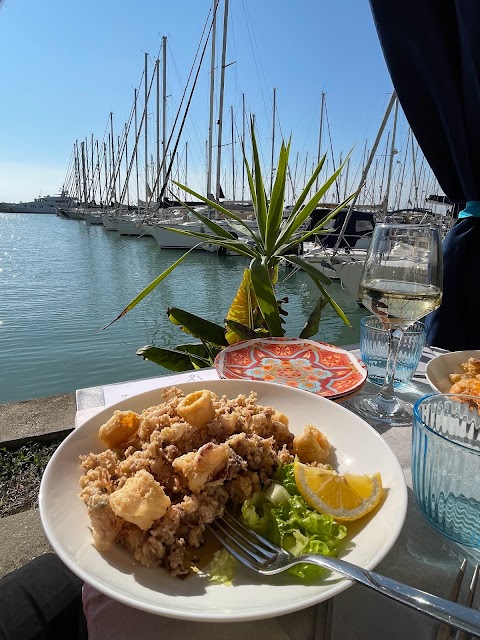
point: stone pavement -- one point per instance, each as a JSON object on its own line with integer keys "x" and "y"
{"x": 21, "y": 535}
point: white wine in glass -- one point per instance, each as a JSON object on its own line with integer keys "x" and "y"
{"x": 401, "y": 283}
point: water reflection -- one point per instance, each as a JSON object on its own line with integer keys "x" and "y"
{"x": 65, "y": 280}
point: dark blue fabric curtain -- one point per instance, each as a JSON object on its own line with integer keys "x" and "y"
{"x": 432, "y": 50}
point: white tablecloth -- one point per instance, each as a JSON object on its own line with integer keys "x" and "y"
{"x": 421, "y": 557}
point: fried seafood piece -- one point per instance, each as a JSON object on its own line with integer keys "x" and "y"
{"x": 243, "y": 486}
{"x": 97, "y": 481}
{"x": 121, "y": 428}
{"x": 472, "y": 367}
{"x": 106, "y": 525}
{"x": 140, "y": 501}
{"x": 269, "y": 422}
{"x": 468, "y": 386}
{"x": 145, "y": 549}
{"x": 311, "y": 446}
{"x": 196, "y": 511}
{"x": 259, "y": 453}
{"x": 175, "y": 560}
{"x": 200, "y": 467}
{"x": 197, "y": 408}
{"x": 153, "y": 418}
{"x": 185, "y": 437}
{"x": 471, "y": 370}
{"x": 105, "y": 460}
{"x": 225, "y": 424}
{"x": 284, "y": 456}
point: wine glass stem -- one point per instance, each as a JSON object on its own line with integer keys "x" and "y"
{"x": 394, "y": 339}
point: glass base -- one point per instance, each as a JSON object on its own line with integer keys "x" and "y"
{"x": 375, "y": 407}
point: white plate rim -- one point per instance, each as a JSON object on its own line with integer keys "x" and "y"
{"x": 213, "y": 616}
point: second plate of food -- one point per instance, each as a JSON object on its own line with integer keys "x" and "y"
{"x": 460, "y": 364}
{"x": 323, "y": 369}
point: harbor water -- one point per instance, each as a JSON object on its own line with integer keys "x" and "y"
{"x": 63, "y": 280}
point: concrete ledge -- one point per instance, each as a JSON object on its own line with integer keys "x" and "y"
{"x": 21, "y": 539}
{"x": 45, "y": 420}
{"x": 31, "y": 418}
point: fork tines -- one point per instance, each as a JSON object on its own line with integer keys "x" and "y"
{"x": 250, "y": 548}
{"x": 445, "y": 630}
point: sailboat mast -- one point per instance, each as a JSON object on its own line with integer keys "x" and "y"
{"x": 113, "y": 186}
{"x": 107, "y": 195}
{"x": 243, "y": 146}
{"x": 77, "y": 172}
{"x": 365, "y": 171}
{"x": 212, "y": 102}
{"x": 220, "y": 107}
{"x": 146, "y": 130}
{"x": 164, "y": 113}
{"x": 414, "y": 168}
{"x": 126, "y": 163}
{"x": 93, "y": 173}
{"x": 273, "y": 139}
{"x": 119, "y": 160}
{"x": 157, "y": 71}
{"x": 392, "y": 154}
{"x": 83, "y": 172}
{"x": 320, "y": 133}
{"x": 87, "y": 171}
{"x": 186, "y": 166}
{"x": 233, "y": 156}
{"x": 136, "y": 147}
{"x": 99, "y": 174}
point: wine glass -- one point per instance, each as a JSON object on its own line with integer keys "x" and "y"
{"x": 401, "y": 282}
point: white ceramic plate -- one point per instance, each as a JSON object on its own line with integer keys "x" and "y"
{"x": 439, "y": 369}
{"x": 357, "y": 447}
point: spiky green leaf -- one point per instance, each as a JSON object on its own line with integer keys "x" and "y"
{"x": 198, "y": 327}
{"x": 241, "y": 330}
{"x": 277, "y": 200}
{"x": 299, "y": 238}
{"x": 312, "y": 271}
{"x": 168, "y": 358}
{"x": 215, "y": 205}
{"x": 260, "y": 196}
{"x": 311, "y": 326}
{"x": 151, "y": 287}
{"x": 298, "y": 217}
{"x": 265, "y": 294}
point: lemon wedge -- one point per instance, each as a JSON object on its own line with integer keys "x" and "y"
{"x": 343, "y": 496}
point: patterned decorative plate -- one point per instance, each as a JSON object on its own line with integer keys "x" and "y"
{"x": 318, "y": 367}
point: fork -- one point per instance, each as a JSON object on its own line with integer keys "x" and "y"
{"x": 444, "y": 631}
{"x": 261, "y": 556}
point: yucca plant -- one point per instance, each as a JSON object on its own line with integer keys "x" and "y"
{"x": 255, "y": 309}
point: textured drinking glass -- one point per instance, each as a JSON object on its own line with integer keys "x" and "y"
{"x": 446, "y": 465}
{"x": 374, "y": 350}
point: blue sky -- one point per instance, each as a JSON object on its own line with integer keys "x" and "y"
{"x": 65, "y": 65}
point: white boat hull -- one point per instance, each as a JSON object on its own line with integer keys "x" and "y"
{"x": 349, "y": 271}
{"x": 129, "y": 227}
{"x": 171, "y": 240}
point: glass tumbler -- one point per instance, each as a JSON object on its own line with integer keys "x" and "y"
{"x": 374, "y": 350}
{"x": 446, "y": 464}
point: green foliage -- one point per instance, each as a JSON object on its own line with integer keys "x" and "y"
{"x": 274, "y": 242}
{"x": 21, "y": 472}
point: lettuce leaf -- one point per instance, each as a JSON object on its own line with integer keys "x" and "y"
{"x": 292, "y": 524}
{"x": 281, "y": 515}
{"x": 222, "y": 568}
